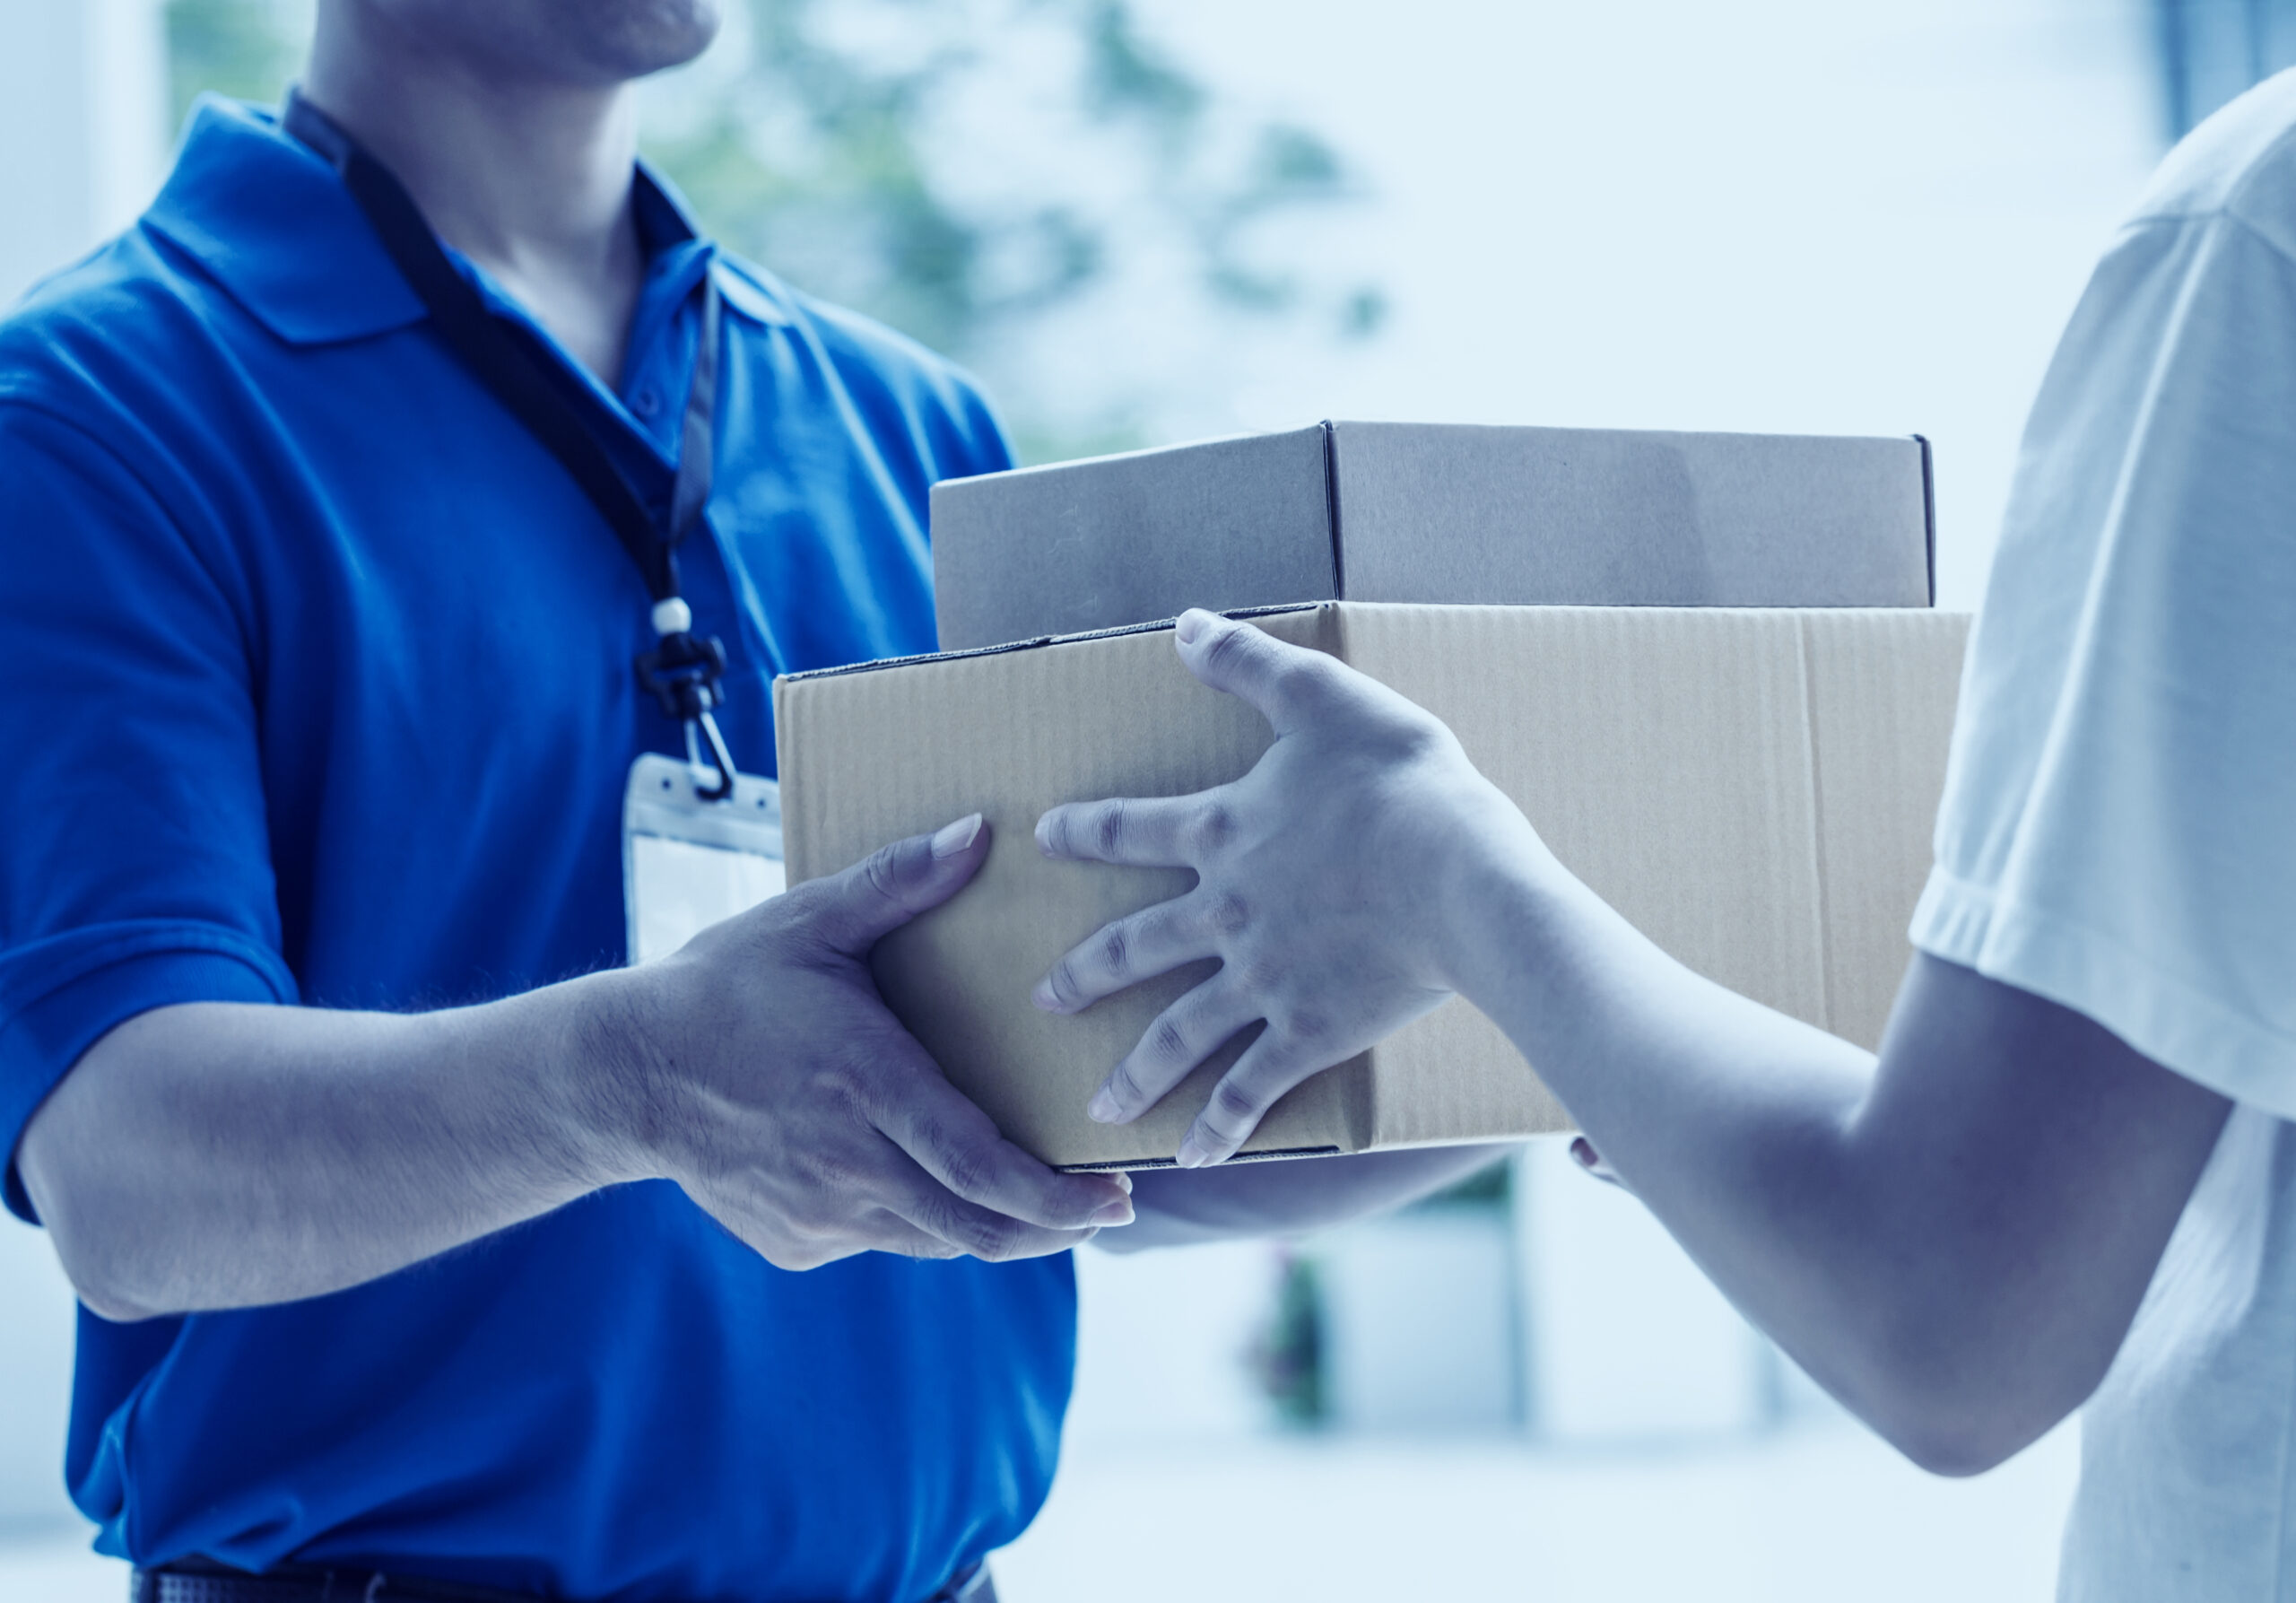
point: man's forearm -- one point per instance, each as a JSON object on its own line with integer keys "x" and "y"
{"x": 219, "y": 1155}
{"x": 1183, "y": 1207}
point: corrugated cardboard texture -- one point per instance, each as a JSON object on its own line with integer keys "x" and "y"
{"x": 869, "y": 757}
{"x": 1753, "y": 788}
{"x": 1081, "y": 545}
{"x": 1661, "y": 756}
{"x": 1435, "y": 513}
{"x": 1879, "y": 730}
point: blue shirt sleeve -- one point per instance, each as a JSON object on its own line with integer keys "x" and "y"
{"x": 135, "y": 864}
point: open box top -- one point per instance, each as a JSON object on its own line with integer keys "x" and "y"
{"x": 1433, "y": 513}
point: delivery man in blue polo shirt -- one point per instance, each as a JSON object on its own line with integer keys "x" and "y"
{"x": 407, "y": 480}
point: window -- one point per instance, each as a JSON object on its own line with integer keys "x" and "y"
{"x": 2212, "y": 50}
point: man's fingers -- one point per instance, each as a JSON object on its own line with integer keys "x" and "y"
{"x": 1181, "y": 1037}
{"x": 886, "y": 889}
{"x": 958, "y": 1146}
{"x": 881, "y": 1230}
{"x": 1270, "y": 1067}
{"x": 946, "y": 1226}
{"x": 1159, "y": 832}
{"x": 1284, "y": 682}
{"x": 1148, "y": 943}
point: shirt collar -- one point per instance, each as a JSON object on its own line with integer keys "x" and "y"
{"x": 273, "y": 224}
{"x": 666, "y": 228}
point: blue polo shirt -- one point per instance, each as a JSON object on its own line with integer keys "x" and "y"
{"x": 320, "y": 695}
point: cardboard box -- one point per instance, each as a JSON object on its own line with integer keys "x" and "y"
{"x": 1433, "y": 513}
{"x": 1754, "y": 790}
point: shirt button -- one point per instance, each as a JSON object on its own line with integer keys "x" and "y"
{"x": 646, "y": 403}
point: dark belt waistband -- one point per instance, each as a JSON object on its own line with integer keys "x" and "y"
{"x": 198, "y": 1582}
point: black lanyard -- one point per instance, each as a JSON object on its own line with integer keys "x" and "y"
{"x": 683, "y": 671}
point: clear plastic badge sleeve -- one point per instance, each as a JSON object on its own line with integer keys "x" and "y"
{"x": 687, "y": 863}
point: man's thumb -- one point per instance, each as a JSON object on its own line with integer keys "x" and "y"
{"x": 894, "y": 883}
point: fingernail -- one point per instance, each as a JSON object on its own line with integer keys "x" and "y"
{"x": 1043, "y": 999}
{"x": 1119, "y": 1212}
{"x": 1044, "y": 835}
{"x": 1102, "y": 1109}
{"x": 954, "y": 838}
{"x": 1191, "y": 624}
{"x": 1193, "y": 1153}
{"x": 1124, "y": 1180}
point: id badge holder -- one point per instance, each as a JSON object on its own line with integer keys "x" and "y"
{"x": 687, "y": 863}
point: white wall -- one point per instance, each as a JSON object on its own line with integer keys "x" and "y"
{"x": 83, "y": 147}
{"x": 1624, "y": 1341}
{"x": 1821, "y": 215}
{"x": 36, "y": 1329}
{"x": 1164, "y": 1341}
{"x": 83, "y": 127}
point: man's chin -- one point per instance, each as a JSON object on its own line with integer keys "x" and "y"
{"x": 622, "y": 40}
{"x": 597, "y": 43}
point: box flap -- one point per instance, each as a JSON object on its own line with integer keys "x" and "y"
{"x": 1444, "y": 514}
{"x": 1082, "y": 545}
{"x": 1600, "y": 517}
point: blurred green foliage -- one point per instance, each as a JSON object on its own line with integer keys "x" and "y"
{"x": 828, "y": 159}
{"x": 245, "y": 48}
{"x": 1491, "y": 1186}
{"x": 833, "y": 149}
{"x": 1287, "y": 1358}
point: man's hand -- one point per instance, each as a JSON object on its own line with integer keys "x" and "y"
{"x": 1323, "y": 881}
{"x": 214, "y": 1155}
{"x": 787, "y": 1102}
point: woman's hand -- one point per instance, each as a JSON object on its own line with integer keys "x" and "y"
{"x": 1323, "y": 878}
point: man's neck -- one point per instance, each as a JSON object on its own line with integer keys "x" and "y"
{"x": 530, "y": 178}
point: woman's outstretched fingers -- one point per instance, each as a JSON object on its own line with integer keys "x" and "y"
{"x": 1270, "y": 1067}
{"x": 1149, "y": 943}
{"x": 1144, "y": 832}
{"x": 1282, "y": 681}
{"x": 1182, "y": 1036}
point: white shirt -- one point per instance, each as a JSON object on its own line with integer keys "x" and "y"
{"x": 2119, "y": 831}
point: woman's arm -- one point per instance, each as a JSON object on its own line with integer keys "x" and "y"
{"x": 1952, "y": 1241}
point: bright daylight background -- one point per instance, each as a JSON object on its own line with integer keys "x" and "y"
{"x": 1150, "y": 220}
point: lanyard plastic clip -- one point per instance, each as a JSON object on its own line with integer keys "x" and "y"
{"x": 700, "y": 730}
{"x": 684, "y": 672}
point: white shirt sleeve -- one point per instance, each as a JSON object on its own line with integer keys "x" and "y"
{"x": 2118, "y": 831}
